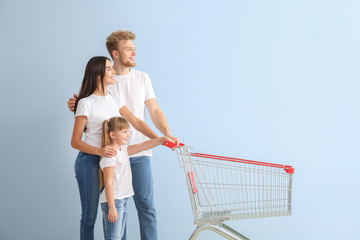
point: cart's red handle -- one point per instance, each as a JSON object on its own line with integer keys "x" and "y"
{"x": 172, "y": 144}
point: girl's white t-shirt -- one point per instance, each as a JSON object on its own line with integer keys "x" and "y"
{"x": 97, "y": 109}
{"x": 122, "y": 180}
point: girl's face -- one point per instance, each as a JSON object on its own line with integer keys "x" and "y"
{"x": 120, "y": 137}
{"x": 109, "y": 76}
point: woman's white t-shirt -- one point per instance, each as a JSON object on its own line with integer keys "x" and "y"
{"x": 97, "y": 109}
{"x": 122, "y": 180}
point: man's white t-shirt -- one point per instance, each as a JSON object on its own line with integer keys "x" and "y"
{"x": 133, "y": 89}
{"x": 97, "y": 109}
{"x": 122, "y": 180}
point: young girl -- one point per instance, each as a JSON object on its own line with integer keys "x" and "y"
{"x": 93, "y": 107}
{"x": 117, "y": 175}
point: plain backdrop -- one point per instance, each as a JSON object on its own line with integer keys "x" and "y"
{"x": 274, "y": 81}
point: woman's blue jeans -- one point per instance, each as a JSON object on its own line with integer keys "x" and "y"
{"x": 87, "y": 176}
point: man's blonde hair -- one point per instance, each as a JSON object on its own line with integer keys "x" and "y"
{"x": 114, "y": 38}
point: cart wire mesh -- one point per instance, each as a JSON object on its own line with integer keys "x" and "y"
{"x": 223, "y": 188}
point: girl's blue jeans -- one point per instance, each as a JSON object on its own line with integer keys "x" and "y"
{"x": 114, "y": 231}
{"x": 87, "y": 176}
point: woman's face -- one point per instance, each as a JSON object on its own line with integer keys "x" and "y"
{"x": 109, "y": 76}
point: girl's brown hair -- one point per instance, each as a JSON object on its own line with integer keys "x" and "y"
{"x": 112, "y": 125}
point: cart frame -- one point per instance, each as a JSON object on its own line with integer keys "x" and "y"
{"x": 223, "y": 188}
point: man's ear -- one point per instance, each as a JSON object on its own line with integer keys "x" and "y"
{"x": 115, "y": 54}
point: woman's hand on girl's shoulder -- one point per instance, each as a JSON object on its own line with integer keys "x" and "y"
{"x": 108, "y": 151}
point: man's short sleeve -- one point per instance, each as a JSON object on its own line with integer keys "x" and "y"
{"x": 149, "y": 91}
{"x": 107, "y": 162}
{"x": 83, "y": 108}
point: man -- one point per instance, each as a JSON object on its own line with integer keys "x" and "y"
{"x": 135, "y": 89}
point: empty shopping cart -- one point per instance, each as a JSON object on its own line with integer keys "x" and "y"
{"x": 225, "y": 188}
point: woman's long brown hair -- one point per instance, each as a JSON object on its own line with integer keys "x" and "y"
{"x": 95, "y": 68}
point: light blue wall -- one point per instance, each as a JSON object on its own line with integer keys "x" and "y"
{"x": 273, "y": 81}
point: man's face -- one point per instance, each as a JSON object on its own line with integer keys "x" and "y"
{"x": 126, "y": 51}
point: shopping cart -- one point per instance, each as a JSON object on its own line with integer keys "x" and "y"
{"x": 224, "y": 188}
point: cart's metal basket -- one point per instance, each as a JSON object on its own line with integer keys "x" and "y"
{"x": 224, "y": 188}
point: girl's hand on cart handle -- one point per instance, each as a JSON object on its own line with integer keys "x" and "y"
{"x": 172, "y": 145}
{"x": 165, "y": 139}
{"x": 173, "y": 139}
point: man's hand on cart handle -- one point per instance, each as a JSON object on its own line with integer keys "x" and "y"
{"x": 172, "y": 144}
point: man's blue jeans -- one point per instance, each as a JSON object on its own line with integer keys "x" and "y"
{"x": 144, "y": 197}
{"x": 114, "y": 231}
{"x": 87, "y": 176}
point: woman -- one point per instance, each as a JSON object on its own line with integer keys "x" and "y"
{"x": 94, "y": 106}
